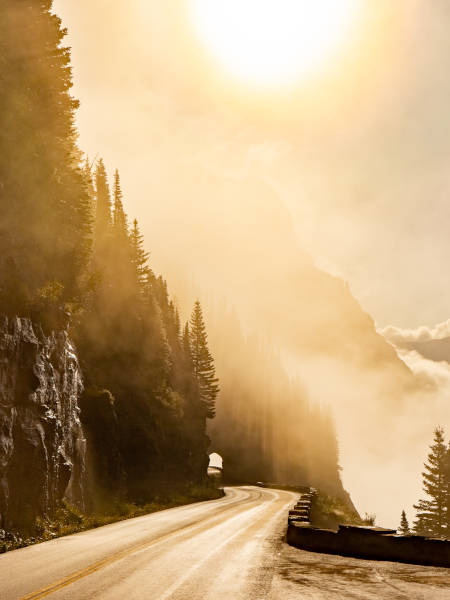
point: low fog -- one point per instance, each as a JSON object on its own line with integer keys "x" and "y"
{"x": 316, "y": 215}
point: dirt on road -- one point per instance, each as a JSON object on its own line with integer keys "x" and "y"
{"x": 305, "y": 575}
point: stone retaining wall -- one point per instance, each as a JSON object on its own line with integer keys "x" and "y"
{"x": 373, "y": 543}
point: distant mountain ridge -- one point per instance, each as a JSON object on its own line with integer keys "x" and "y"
{"x": 246, "y": 250}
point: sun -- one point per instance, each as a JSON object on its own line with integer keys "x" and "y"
{"x": 274, "y": 42}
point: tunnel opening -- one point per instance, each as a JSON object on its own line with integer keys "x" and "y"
{"x": 215, "y": 466}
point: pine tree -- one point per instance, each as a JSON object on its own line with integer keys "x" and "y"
{"x": 432, "y": 513}
{"x": 186, "y": 343}
{"x": 103, "y": 220}
{"x": 45, "y": 226}
{"x": 447, "y": 478}
{"x": 139, "y": 257}
{"x": 203, "y": 362}
{"x": 404, "y": 525}
{"x": 89, "y": 183}
{"x": 178, "y": 326}
{"x": 121, "y": 267}
{"x": 120, "y": 224}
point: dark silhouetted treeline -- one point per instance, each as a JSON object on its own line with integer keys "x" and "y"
{"x": 149, "y": 389}
{"x": 69, "y": 256}
{"x": 45, "y": 220}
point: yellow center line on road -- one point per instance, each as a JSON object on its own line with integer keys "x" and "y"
{"x": 73, "y": 577}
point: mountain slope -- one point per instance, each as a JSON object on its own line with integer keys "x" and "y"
{"x": 240, "y": 247}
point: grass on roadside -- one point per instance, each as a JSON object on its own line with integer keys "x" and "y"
{"x": 329, "y": 512}
{"x": 68, "y": 519}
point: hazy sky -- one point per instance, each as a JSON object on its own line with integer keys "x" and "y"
{"x": 360, "y": 157}
{"x": 354, "y": 158}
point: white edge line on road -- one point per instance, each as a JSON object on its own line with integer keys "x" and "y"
{"x": 143, "y": 546}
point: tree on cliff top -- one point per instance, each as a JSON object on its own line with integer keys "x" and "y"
{"x": 45, "y": 213}
{"x": 432, "y": 512}
{"x": 203, "y": 361}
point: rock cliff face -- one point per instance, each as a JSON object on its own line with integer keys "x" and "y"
{"x": 42, "y": 446}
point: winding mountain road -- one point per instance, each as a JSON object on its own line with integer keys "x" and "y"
{"x": 223, "y": 549}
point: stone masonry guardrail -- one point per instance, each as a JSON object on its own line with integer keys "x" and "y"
{"x": 373, "y": 543}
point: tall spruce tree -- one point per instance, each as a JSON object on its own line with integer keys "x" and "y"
{"x": 432, "y": 515}
{"x": 121, "y": 253}
{"x": 203, "y": 362}
{"x": 139, "y": 257}
{"x": 404, "y": 528}
{"x": 177, "y": 325}
{"x": 120, "y": 224}
{"x": 45, "y": 225}
{"x": 186, "y": 343}
{"x": 447, "y": 477}
{"x": 89, "y": 182}
{"x": 103, "y": 209}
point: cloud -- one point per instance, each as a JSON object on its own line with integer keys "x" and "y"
{"x": 423, "y": 351}
{"x": 437, "y": 373}
{"x": 401, "y": 337}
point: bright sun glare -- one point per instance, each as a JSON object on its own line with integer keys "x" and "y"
{"x": 274, "y": 42}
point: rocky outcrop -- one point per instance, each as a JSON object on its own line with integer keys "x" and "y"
{"x": 42, "y": 446}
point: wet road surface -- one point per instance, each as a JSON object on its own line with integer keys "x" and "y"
{"x": 230, "y": 549}
{"x": 309, "y": 576}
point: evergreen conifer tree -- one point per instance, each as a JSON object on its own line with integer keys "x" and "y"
{"x": 404, "y": 525}
{"x": 177, "y": 324}
{"x": 103, "y": 217}
{"x": 45, "y": 225}
{"x": 186, "y": 343}
{"x": 121, "y": 265}
{"x": 203, "y": 362}
{"x": 120, "y": 224}
{"x": 447, "y": 478}
{"x": 89, "y": 183}
{"x": 432, "y": 512}
{"x": 139, "y": 257}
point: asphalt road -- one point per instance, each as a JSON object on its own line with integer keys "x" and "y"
{"x": 223, "y": 549}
